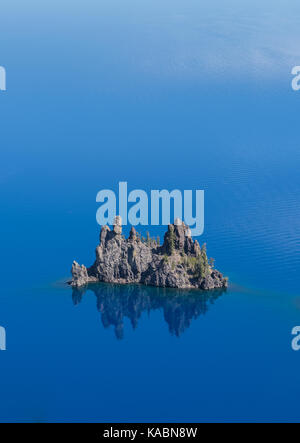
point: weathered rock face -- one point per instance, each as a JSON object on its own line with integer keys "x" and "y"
{"x": 178, "y": 263}
{"x": 79, "y": 273}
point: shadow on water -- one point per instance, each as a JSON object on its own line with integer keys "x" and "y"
{"x": 115, "y": 302}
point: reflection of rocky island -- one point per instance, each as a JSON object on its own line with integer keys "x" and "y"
{"x": 115, "y": 302}
{"x": 179, "y": 263}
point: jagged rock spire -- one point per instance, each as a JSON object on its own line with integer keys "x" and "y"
{"x": 103, "y": 234}
{"x": 132, "y": 234}
{"x": 79, "y": 273}
{"x": 197, "y": 248}
{"x": 118, "y": 224}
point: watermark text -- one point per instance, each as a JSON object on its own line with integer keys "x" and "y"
{"x": 187, "y": 206}
{"x": 2, "y": 339}
{"x": 2, "y": 79}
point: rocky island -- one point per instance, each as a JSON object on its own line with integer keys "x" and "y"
{"x": 179, "y": 263}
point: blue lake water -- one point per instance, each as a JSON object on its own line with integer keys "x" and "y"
{"x": 175, "y": 96}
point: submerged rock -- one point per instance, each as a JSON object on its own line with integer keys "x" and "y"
{"x": 179, "y": 263}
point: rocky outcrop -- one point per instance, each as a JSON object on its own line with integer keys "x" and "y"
{"x": 80, "y": 274}
{"x": 179, "y": 263}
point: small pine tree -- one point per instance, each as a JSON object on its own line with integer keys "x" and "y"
{"x": 148, "y": 238}
{"x": 171, "y": 240}
{"x": 158, "y": 240}
{"x": 197, "y": 266}
{"x": 204, "y": 259}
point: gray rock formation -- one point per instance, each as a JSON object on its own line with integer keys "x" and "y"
{"x": 179, "y": 263}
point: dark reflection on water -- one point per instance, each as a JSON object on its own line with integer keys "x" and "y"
{"x": 180, "y": 307}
